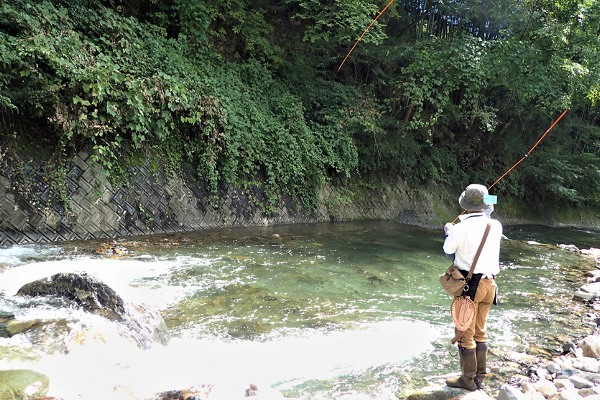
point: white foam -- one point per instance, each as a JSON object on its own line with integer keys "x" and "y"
{"x": 121, "y": 275}
{"x": 107, "y": 367}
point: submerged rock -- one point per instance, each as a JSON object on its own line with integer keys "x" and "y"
{"x": 5, "y": 318}
{"x": 15, "y": 327}
{"x": 145, "y": 326}
{"x": 22, "y": 384}
{"x": 85, "y": 290}
{"x": 569, "y": 247}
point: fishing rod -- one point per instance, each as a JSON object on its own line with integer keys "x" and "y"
{"x": 522, "y": 158}
{"x": 530, "y": 150}
{"x": 363, "y": 34}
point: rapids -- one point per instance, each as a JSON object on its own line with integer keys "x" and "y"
{"x": 321, "y": 311}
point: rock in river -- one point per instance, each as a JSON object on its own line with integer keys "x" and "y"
{"x": 138, "y": 322}
{"x": 81, "y": 288}
{"x": 21, "y": 384}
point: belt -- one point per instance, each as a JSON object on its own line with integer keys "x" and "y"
{"x": 475, "y": 277}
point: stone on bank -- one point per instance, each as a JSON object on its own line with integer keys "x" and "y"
{"x": 590, "y": 347}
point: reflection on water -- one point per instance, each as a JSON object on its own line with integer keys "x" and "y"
{"x": 320, "y": 311}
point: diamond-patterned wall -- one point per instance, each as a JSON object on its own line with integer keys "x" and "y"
{"x": 31, "y": 212}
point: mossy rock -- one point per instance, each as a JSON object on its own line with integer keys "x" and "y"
{"x": 22, "y": 384}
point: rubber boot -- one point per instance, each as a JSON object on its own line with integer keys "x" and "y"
{"x": 468, "y": 367}
{"x": 481, "y": 350}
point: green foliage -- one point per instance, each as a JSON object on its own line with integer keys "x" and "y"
{"x": 449, "y": 78}
{"x": 247, "y": 92}
{"x": 266, "y": 138}
{"x": 339, "y": 21}
{"x": 572, "y": 181}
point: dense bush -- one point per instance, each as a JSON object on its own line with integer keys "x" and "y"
{"x": 248, "y": 92}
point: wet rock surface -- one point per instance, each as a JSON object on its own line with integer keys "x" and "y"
{"x": 145, "y": 326}
{"x": 572, "y": 376}
{"x": 5, "y": 318}
{"x": 527, "y": 376}
{"x": 222, "y": 391}
{"x": 440, "y": 393}
{"x": 137, "y": 322}
{"x": 83, "y": 289}
{"x": 22, "y": 385}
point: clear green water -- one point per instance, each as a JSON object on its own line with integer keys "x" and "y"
{"x": 319, "y": 311}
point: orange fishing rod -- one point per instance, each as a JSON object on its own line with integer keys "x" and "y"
{"x": 363, "y": 34}
{"x": 529, "y": 152}
{"x": 522, "y": 158}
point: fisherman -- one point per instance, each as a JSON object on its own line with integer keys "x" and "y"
{"x": 461, "y": 242}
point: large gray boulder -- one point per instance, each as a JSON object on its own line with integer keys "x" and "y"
{"x": 22, "y": 384}
{"x": 83, "y": 289}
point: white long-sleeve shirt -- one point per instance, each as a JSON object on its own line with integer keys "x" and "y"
{"x": 464, "y": 238}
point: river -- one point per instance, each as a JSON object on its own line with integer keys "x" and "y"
{"x": 316, "y": 311}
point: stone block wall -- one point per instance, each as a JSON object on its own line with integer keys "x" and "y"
{"x": 149, "y": 202}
